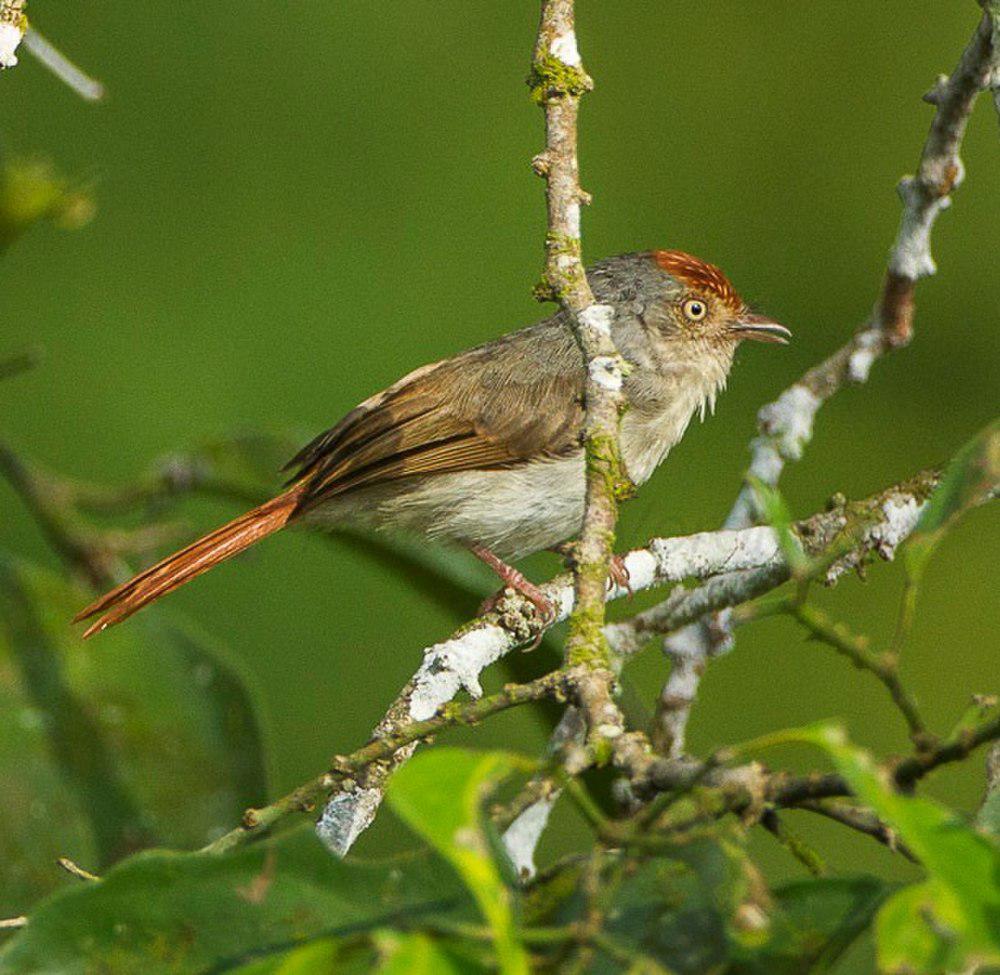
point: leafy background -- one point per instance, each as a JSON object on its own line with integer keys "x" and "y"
{"x": 297, "y": 206}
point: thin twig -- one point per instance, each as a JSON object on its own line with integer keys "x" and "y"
{"x": 885, "y": 667}
{"x": 88, "y": 88}
{"x": 860, "y": 819}
{"x": 75, "y": 870}
{"x": 346, "y": 766}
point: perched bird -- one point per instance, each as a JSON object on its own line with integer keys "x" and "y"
{"x": 484, "y": 449}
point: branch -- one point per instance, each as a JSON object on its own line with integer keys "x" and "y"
{"x": 15, "y": 30}
{"x": 558, "y": 81}
{"x": 534, "y": 803}
{"x": 860, "y": 819}
{"x": 786, "y": 425}
{"x": 738, "y": 565}
{"x": 88, "y": 88}
{"x": 345, "y": 767}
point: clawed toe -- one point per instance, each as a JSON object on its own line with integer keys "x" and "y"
{"x": 619, "y": 575}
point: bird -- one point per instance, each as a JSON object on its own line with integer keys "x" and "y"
{"x": 485, "y": 449}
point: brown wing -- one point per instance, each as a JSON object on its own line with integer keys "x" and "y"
{"x": 495, "y": 406}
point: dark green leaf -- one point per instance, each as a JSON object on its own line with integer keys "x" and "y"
{"x": 813, "y": 923}
{"x": 161, "y": 912}
{"x": 147, "y": 736}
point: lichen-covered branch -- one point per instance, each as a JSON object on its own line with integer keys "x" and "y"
{"x": 558, "y": 80}
{"x": 786, "y": 425}
{"x": 345, "y": 768}
{"x": 737, "y": 566}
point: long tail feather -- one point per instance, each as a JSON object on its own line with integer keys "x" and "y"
{"x": 185, "y": 565}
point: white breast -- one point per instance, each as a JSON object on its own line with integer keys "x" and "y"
{"x": 529, "y": 508}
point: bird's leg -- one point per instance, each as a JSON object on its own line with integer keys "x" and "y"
{"x": 513, "y": 579}
{"x": 618, "y": 574}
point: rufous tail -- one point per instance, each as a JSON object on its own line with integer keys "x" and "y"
{"x": 185, "y": 565}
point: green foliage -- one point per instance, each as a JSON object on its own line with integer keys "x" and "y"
{"x": 439, "y": 794}
{"x": 817, "y": 921}
{"x": 971, "y": 475}
{"x": 779, "y": 516}
{"x": 950, "y": 921}
{"x": 161, "y": 912}
{"x": 150, "y": 737}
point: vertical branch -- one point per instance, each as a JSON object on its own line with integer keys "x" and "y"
{"x": 927, "y": 193}
{"x": 558, "y": 81}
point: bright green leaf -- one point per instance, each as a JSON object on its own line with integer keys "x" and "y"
{"x": 316, "y": 958}
{"x": 950, "y": 921}
{"x": 971, "y": 475}
{"x": 415, "y": 954}
{"x": 439, "y": 795}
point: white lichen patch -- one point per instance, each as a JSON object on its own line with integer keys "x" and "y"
{"x": 10, "y": 39}
{"x": 564, "y": 47}
{"x": 788, "y": 421}
{"x": 521, "y": 837}
{"x": 598, "y": 319}
{"x": 346, "y": 816}
{"x": 901, "y": 516}
{"x": 604, "y": 371}
{"x": 455, "y": 665}
{"x": 868, "y": 346}
{"x": 709, "y": 553}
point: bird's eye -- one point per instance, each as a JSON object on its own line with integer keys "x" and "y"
{"x": 694, "y": 309}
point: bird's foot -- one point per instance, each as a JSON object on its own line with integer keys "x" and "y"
{"x": 512, "y": 579}
{"x": 618, "y": 574}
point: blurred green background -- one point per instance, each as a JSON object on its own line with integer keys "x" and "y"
{"x": 298, "y": 205}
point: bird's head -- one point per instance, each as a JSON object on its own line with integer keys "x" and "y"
{"x": 699, "y": 305}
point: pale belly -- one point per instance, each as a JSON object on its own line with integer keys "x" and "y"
{"x": 511, "y": 512}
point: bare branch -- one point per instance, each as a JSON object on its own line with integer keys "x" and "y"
{"x": 860, "y": 819}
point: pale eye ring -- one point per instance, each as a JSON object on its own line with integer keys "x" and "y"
{"x": 694, "y": 309}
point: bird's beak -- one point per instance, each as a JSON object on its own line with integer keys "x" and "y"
{"x": 760, "y": 328}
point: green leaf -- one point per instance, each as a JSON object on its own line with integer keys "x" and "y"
{"x": 971, "y": 475}
{"x": 146, "y": 737}
{"x": 778, "y": 515}
{"x": 950, "y": 921}
{"x": 439, "y": 795}
{"x": 161, "y": 912}
{"x": 317, "y": 956}
{"x": 415, "y": 954}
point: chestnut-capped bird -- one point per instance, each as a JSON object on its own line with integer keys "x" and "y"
{"x": 484, "y": 450}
